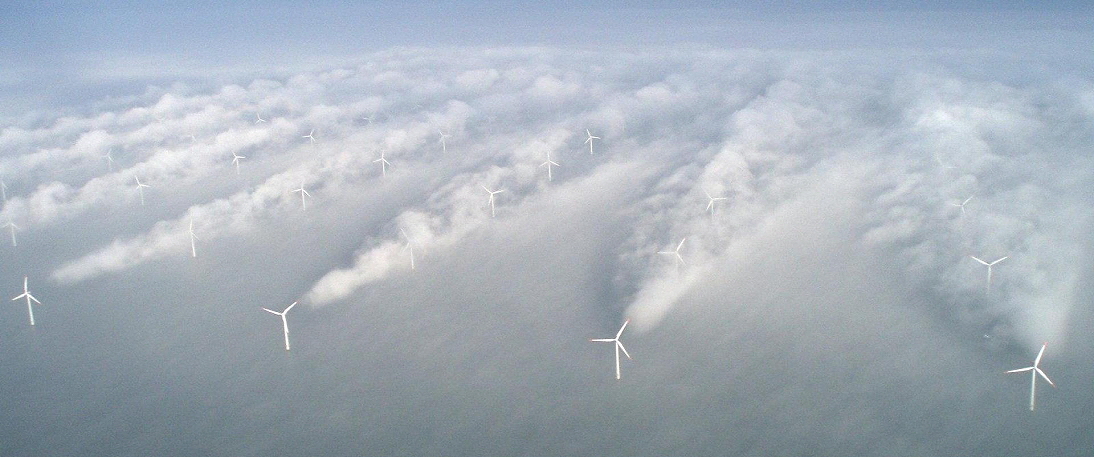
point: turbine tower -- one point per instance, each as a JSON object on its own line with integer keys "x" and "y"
{"x": 284, "y": 322}
{"x": 383, "y": 163}
{"x": 1035, "y": 369}
{"x": 590, "y": 139}
{"x": 676, "y": 252}
{"x": 989, "y": 265}
{"x": 140, "y": 188}
{"x": 235, "y": 160}
{"x": 193, "y": 238}
{"x": 618, "y": 346}
{"x": 303, "y": 203}
{"x": 548, "y": 164}
{"x": 26, "y": 294}
{"x": 11, "y": 225}
{"x": 492, "y": 193}
{"x": 4, "y": 190}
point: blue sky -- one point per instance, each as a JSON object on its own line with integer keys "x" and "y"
{"x": 57, "y": 51}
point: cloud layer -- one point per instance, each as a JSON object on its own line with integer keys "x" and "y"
{"x": 819, "y": 195}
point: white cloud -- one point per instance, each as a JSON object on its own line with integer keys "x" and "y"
{"x": 760, "y": 130}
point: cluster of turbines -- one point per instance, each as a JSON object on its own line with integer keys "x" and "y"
{"x": 618, "y": 347}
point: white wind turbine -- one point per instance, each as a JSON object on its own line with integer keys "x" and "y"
{"x": 140, "y": 188}
{"x": 310, "y": 136}
{"x": 590, "y": 139}
{"x": 109, "y": 160}
{"x": 303, "y": 203}
{"x": 492, "y": 193}
{"x": 369, "y": 118}
{"x": 26, "y": 294}
{"x": 235, "y": 160}
{"x": 989, "y": 265}
{"x": 962, "y": 204}
{"x": 11, "y": 225}
{"x": 618, "y": 346}
{"x": 258, "y": 118}
{"x": 193, "y": 238}
{"x": 676, "y": 252}
{"x": 284, "y": 322}
{"x": 1035, "y": 369}
{"x": 409, "y": 246}
{"x": 548, "y": 164}
{"x": 383, "y": 163}
{"x": 444, "y": 147}
{"x": 710, "y": 204}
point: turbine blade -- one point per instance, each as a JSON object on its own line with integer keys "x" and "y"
{"x": 605, "y": 340}
{"x": 1043, "y": 375}
{"x": 978, "y": 260}
{"x": 681, "y": 244}
{"x": 620, "y": 345}
{"x": 290, "y": 307}
{"x": 1037, "y": 361}
{"x": 21, "y": 296}
{"x": 1000, "y": 260}
{"x": 1019, "y": 370}
{"x": 620, "y": 332}
{"x": 271, "y": 311}
{"x": 32, "y": 298}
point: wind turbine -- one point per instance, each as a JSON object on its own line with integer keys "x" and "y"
{"x": 11, "y": 225}
{"x": 193, "y": 247}
{"x": 140, "y": 188}
{"x": 259, "y": 118}
{"x": 676, "y": 252}
{"x": 962, "y": 204}
{"x": 29, "y": 297}
{"x": 369, "y": 118}
{"x": 303, "y": 204}
{"x": 548, "y": 164}
{"x": 383, "y": 163}
{"x": 710, "y": 204}
{"x": 492, "y": 193}
{"x": 989, "y": 265}
{"x": 284, "y": 322}
{"x": 618, "y": 346}
{"x": 310, "y": 135}
{"x": 590, "y": 140}
{"x": 109, "y": 161}
{"x": 444, "y": 148}
{"x": 409, "y": 246}
{"x": 1035, "y": 370}
{"x": 235, "y": 160}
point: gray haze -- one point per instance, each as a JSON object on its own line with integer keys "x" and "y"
{"x": 828, "y": 307}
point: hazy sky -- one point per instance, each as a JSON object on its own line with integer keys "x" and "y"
{"x": 828, "y": 305}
